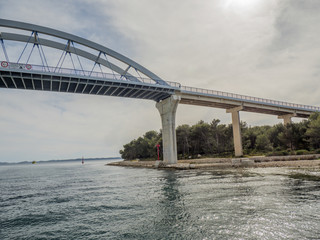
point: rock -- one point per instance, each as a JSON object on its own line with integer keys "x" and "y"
{"x": 236, "y": 162}
{"x": 159, "y": 164}
{"x": 246, "y": 162}
{"x": 242, "y": 162}
{"x": 192, "y": 166}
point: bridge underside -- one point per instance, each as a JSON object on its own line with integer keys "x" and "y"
{"x": 247, "y": 106}
{"x": 56, "y": 82}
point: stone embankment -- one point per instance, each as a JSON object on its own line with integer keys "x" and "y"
{"x": 311, "y": 160}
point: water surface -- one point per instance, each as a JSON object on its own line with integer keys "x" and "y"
{"x": 93, "y": 201}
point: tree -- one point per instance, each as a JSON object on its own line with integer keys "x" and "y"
{"x": 143, "y": 147}
{"x": 313, "y": 131}
{"x": 183, "y": 140}
{"x": 217, "y": 134}
{"x": 273, "y": 133}
{"x": 293, "y": 135}
{"x": 249, "y": 138}
{"x": 262, "y": 143}
{"x": 221, "y": 137}
{"x": 129, "y": 150}
{"x": 200, "y": 136}
{"x": 215, "y": 138}
{"x": 257, "y": 139}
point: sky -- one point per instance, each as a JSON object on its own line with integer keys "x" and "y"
{"x": 262, "y": 48}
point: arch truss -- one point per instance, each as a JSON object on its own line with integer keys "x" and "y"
{"x": 89, "y": 61}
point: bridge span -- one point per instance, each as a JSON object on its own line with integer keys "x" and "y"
{"x": 120, "y": 82}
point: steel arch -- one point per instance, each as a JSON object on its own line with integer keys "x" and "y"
{"x": 79, "y": 40}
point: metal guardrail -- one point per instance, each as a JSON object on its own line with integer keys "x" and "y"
{"x": 118, "y": 77}
{"x": 248, "y": 98}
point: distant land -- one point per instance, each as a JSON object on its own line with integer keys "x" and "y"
{"x": 63, "y": 160}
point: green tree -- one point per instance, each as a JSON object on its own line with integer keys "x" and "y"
{"x": 201, "y": 138}
{"x": 249, "y": 138}
{"x": 129, "y": 150}
{"x": 273, "y": 133}
{"x": 183, "y": 140}
{"x": 143, "y": 147}
{"x": 255, "y": 137}
{"x": 313, "y": 131}
{"x": 222, "y": 137}
{"x": 293, "y": 135}
{"x": 217, "y": 134}
{"x": 262, "y": 143}
{"x": 216, "y": 138}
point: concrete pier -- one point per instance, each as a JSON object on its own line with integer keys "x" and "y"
{"x": 167, "y": 109}
{"x": 287, "y": 118}
{"x": 236, "y": 130}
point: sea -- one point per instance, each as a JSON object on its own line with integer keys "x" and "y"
{"x": 69, "y": 200}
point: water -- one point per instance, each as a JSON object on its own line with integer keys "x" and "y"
{"x": 93, "y": 201}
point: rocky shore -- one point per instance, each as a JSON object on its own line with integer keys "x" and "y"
{"x": 293, "y": 161}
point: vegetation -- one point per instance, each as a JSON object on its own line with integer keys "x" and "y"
{"x": 143, "y": 147}
{"x": 216, "y": 140}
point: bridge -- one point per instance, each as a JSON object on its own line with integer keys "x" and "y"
{"x": 118, "y": 76}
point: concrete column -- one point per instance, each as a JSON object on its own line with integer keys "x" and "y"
{"x": 236, "y": 130}
{"x": 286, "y": 118}
{"x": 167, "y": 109}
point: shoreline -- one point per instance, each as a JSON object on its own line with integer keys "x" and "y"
{"x": 292, "y": 161}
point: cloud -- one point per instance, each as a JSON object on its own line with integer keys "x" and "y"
{"x": 267, "y": 49}
{"x": 52, "y": 125}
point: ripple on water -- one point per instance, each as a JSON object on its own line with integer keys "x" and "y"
{"x": 104, "y": 202}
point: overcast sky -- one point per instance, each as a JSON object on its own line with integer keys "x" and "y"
{"x": 263, "y": 48}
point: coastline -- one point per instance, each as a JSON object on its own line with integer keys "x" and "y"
{"x": 292, "y": 161}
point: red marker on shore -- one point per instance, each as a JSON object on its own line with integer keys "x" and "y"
{"x": 158, "y": 151}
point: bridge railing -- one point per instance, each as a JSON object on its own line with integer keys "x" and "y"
{"x": 248, "y": 98}
{"x": 83, "y": 73}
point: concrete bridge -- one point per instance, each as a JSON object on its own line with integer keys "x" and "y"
{"x": 126, "y": 78}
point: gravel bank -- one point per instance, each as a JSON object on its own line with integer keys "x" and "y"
{"x": 294, "y": 161}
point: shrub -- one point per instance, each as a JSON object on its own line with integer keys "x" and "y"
{"x": 278, "y": 153}
{"x": 302, "y": 152}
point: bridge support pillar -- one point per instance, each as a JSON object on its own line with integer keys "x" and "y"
{"x": 236, "y": 130}
{"x": 167, "y": 109}
{"x": 286, "y": 118}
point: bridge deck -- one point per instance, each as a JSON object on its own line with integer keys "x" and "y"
{"x": 218, "y": 99}
{"x": 76, "y": 81}
{"x": 60, "y": 82}
{"x": 225, "y": 103}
